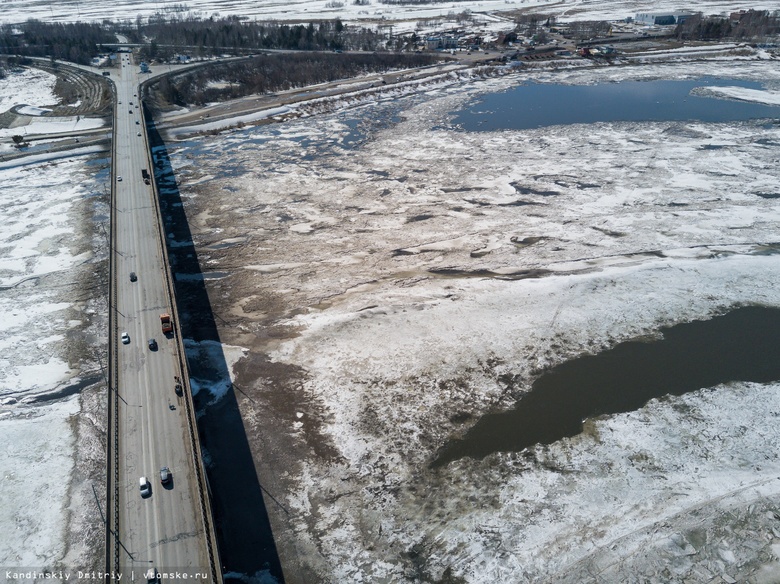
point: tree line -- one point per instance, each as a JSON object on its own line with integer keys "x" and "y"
{"x": 76, "y": 42}
{"x": 270, "y": 73}
{"x": 749, "y": 25}
{"x": 215, "y": 36}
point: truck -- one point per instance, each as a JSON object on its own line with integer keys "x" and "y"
{"x": 144, "y": 172}
{"x": 165, "y": 322}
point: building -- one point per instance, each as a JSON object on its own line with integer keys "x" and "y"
{"x": 441, "y": 42}
{"x": 661, "y": 19}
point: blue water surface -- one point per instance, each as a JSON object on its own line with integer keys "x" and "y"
{"x": 538, "y": 105}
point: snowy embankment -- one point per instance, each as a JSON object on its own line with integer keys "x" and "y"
{"x": 23, "y": 87}
{"x": 52, "y": 353}
{"x": 410, "y": 277}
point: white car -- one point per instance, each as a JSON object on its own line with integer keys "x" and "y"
{"x": 146, "y": 487}
{"x": 138, "y": 134}
{"x": 125, "y": 338}
{"x": 119, "y": 179}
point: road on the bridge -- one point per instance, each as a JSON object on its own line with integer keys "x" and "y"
{"x": 165, "y": 530}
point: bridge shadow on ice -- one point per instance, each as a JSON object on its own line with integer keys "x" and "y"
{"x": 245, "y": 539}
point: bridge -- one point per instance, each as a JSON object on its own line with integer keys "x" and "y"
{"x": 153, "y": 526}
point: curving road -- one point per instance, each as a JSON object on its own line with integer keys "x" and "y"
{"x": 165, "y": 530}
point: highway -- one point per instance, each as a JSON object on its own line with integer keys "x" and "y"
{"x": 163, "y": 531}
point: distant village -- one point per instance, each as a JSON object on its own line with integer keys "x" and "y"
{"x": 538, "y": 37}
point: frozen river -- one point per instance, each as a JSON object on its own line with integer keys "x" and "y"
{"x": 382, "y": 279}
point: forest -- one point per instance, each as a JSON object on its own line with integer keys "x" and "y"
{"x": 207, "y": 37}
{"x": 278, "y": 72}
{"x": 76, "y": 42}
{"x": 752, "y": 25}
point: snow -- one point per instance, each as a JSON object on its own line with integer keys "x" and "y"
{"x": 52, "y": 299}
{"x": 403, "y": 17}
{"x": 230, "y": 122}
{"x": 742, "y": 94}
{"x": 29, "y": 110}
{"x": 36, "y": 461}
{"x": 27, "y": 86}
{"x": 417, "y": 286}
{"x": 53, "y": 125}
{"x": 35, "y": 159}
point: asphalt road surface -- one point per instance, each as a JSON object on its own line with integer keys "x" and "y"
{"x": 163, "y": 531}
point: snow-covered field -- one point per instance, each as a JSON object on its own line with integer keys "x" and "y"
{"x": 396, "y": 271}
{"x": 52, "y": 351}
{"x": 27, "y": 86}
{"x": 404, "y": 16}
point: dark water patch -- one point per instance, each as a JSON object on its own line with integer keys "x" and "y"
{"x": 518, "y": 203}
{"x": 525, "y": 241}
{"x": 462, "y": 189}
{"x": 769, "y": 195}
{"x": 225, "y": 245}
{"x": 712, "y": 147}
{"x": 515, "y": 275}
{"x": 66, "y": 390}
{"x": 423, "y": 217}
{"x": 534, "y": 105}
{"x": 402, "y": 252}
{"x": 523, "y": 190}
{"x": 741, "y": 345}
{"x": 767, "y": 142}
{"x": 609, "y": 232}
{"x": 478, "y": 202}
{"x": 767, "y": 249}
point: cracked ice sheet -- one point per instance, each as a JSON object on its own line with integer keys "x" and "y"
{"x": 645, "y": 227}
{"x": 36, "y": 459}
{"x": 47, "y": 339}
{"x": 39, "y": 251}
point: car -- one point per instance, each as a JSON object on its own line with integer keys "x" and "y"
{"x": 125, "y": 338}
{"x": 133, "y": 277}
{"x": 119, "y": 179}
{"x": 138, "y": 134}
{"x": 146, "y": 487}
{"x": 137, "y": 122}
{"x": 165, "y": 475}
{"x": 120, "y": 102}
{"x": 131, "y": 103}
{"x": 152, "y": 345}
